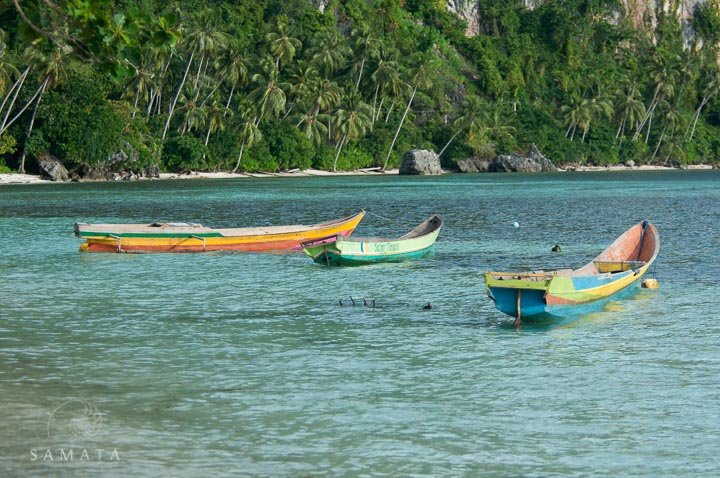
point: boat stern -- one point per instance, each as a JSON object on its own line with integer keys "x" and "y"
{"x": 518, "y": 295}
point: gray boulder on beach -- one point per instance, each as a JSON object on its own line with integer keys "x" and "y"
{"x": 420, "y": 162}
{"x": 51, "y": 168}
{"x": 534, "y": 162}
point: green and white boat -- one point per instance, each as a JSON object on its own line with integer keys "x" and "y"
{"x": 339, "y": 251}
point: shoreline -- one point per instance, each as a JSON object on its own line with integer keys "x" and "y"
{"x": 17, "y": 178}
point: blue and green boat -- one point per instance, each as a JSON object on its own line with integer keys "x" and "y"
{"x": 567, "y": 293}
{"x": 340, "y": 251}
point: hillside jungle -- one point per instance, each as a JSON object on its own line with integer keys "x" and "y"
{"x": 275, "y": 85}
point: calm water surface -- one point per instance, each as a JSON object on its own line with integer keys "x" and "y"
{"x": 245, "y": 365}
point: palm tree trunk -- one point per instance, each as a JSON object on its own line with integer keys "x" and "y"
{"x": 567, "y": 132}
{"x": 448, "y": 143}
{"x": 657, "y": 148}
{"x": 362, "y": 65}
{"x": 204, "y": 101}
{"x": 177, "y": 95}
{"x": 696, "y": 116}
{"x": 227, "y": 105}
{"x": 6, "y": 124}
{"x": 207, "y": 138}
{"x": 151, "y": 102}
{"x": 650, "y": 109}
{"x": 237, "y": 165}
{"x": 621, "y": 127}
{"x": 402, "y": 120}
{"x": 197, "y": 75}
{"x": 585, "y": 130}
{"x": 21, "y": 81}
{"x": 137, "y": 97}
{"x": 17, "y": 84}
{"x": 647, "y": 135}
{"x": 387, "y": 116}
{"x": 337, "y": 154}
{"x": 21, "y": 169}
{"x": 379, "y": 111}
{"x": 375, "y": 103}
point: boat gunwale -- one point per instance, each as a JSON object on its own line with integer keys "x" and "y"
{"x": 577, "y": 273}
{"x": 205, "y": 232}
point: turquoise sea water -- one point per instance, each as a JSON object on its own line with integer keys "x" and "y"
{"x": 245, "y": 364}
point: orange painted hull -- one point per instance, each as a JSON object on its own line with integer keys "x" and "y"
{"x": 195, "y": 238}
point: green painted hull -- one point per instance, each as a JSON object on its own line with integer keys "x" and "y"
{"x": 329, "y": 257}
{"x": 340, "y": 251}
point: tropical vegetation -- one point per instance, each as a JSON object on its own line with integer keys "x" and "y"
{"x": 281, "y": 84}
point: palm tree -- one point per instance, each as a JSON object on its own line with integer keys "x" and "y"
{"x": 712, "y": 86}
{"x": 157, "y": 61}
{"x": 422, "y": 78}
{"x": 314, "y": 126}
{"x": 303, "y": 78}
{"x": 234, "y": 71}
{"x": 664, "y": 72}
{"x": 249, "y": 135}
{"x": 328, "y": 54}
{"x": 324, "y": 95}
{"x": 7, "y": 71}
{"x": 142, "y": 82}
{"x": 215, "y": 119}
{"x": 387, "y": 81}
{"x": 281, "y": 44}
{"x": 629, "y": 108}
{"x": 204, "y": 39}
{"x": 352, "y": 121}
{"x": 54, "y": 70}
{"x": 571, "y": 116}
{"x": 496, "y": 127}
{"x": 195, "y": 114}
{"x": 672, "y": 117}
{"x": 365, "y": 47}
{"x": 269, "y": 94}
{"x": 471, "y": 117}
{"x": 161, "y": 51}
{"x": 590, "y": 109}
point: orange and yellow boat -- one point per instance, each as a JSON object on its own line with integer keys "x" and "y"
{"x": 186, "y": 237}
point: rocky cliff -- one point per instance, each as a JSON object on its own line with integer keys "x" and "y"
{"x": 643, "y": 14}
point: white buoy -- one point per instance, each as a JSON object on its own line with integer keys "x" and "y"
{"x": 650, "y": 284}
{"x": 516, "y": 224}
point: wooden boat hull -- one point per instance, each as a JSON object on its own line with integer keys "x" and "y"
{"x": 341, "y": 252}
{"x": 565, "y": 294}
{"x": 195, "y": 238}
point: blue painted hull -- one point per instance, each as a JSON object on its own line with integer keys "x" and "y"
{"x": 534, "y": 309}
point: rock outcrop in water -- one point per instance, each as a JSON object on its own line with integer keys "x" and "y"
{"x": 420, "y": 162}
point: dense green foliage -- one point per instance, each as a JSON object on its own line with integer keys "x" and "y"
{"x": 280, "y": 84}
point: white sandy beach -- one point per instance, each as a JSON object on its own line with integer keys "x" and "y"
{"x": 16, "y": 178}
